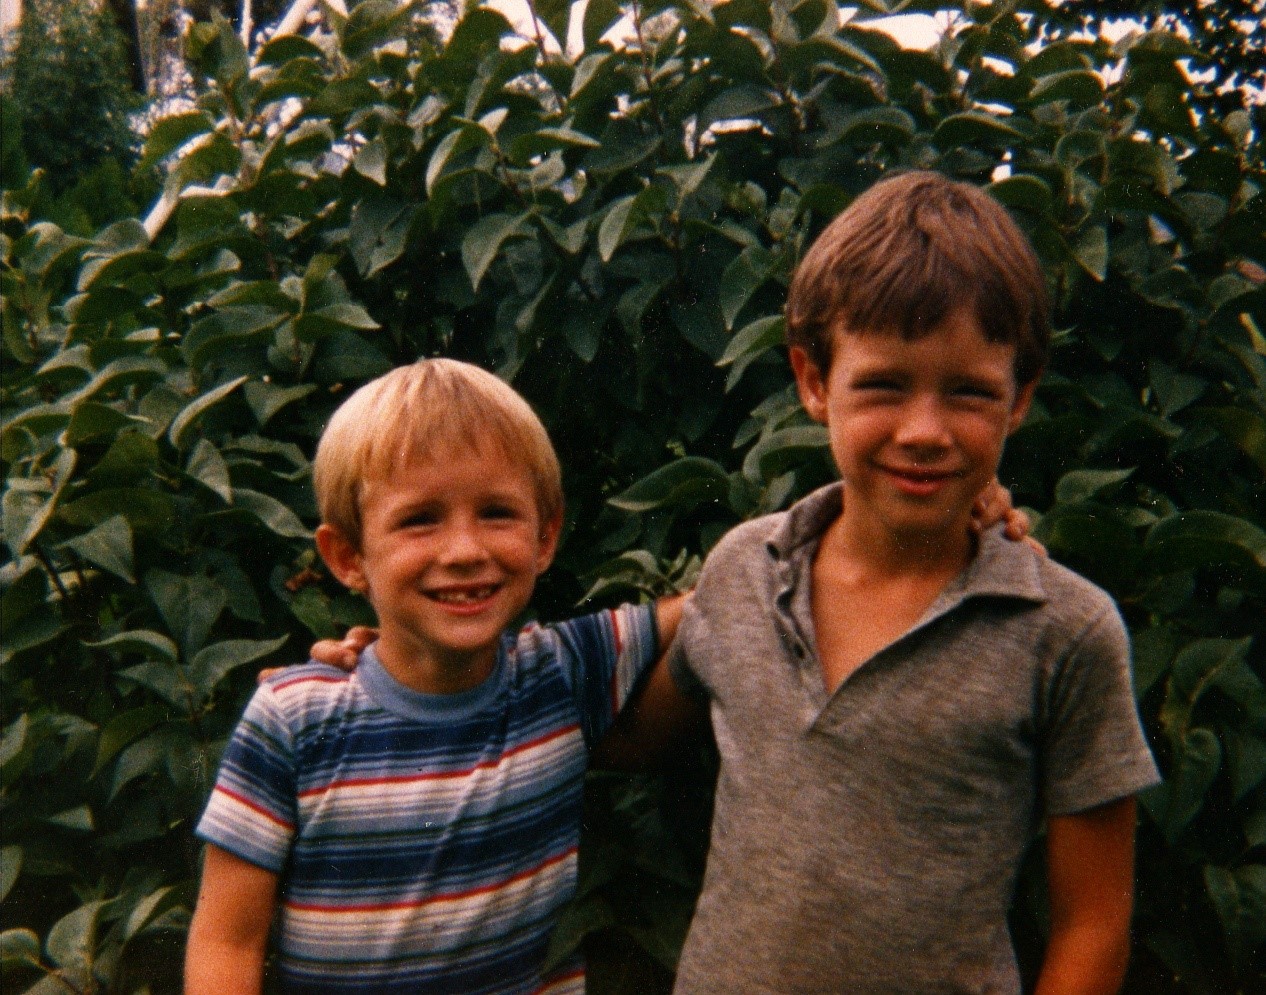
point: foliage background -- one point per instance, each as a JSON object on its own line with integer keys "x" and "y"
{"x": 612, "y": 229}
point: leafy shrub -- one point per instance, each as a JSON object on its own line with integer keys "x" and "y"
{"x": 67, "y": 89}
{"x": 614, "y": 231}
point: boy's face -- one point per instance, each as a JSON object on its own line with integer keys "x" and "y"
{"x": 451, "y": 545}
{"x": 916, "y": 427}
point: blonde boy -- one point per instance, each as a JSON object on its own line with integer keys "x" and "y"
{"x": 897, "y": 704}
{"x": 415, "y": 822}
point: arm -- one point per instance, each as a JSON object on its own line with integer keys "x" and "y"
{"x": 229, "y": 932}
{"x": 1090, "y": 868}
{"x": 658, "y": 724}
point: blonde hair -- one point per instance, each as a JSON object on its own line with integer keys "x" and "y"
{"x": 425, "y": 409}
{"x": 909, "y": 252}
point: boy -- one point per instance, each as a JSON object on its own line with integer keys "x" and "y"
{"x": 417, "y": 820}
{"x": 898, "y": 705}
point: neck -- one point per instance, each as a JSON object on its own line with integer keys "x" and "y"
{"x": 420, "y": 671}
{"x": 871, "y": 551}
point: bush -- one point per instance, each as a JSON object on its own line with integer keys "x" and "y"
{"x": 67, "y": 90}
{"x": 614, "y": 232}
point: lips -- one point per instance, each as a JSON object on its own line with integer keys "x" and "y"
{"x": 469, "y": 596}
{"x": 919, "y": 482}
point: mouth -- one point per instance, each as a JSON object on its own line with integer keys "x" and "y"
{"x": 464, "y": 596}
{"x": 919, "y": 482}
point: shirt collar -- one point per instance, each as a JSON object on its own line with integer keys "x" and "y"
{"x": 1001, "y": 568}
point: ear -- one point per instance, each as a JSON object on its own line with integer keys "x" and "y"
{"x": 342, "y": 557}
{"x": 1020, "y": 408}
{"x": 550, "y": 532}
{"x": 810, "y": 383}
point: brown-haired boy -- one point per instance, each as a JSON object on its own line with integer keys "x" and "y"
{"x": 898, "y": 705}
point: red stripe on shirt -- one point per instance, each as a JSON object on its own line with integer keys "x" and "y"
{"x": 254, "y": 807}
{"x": 436, "y": 775}
{"x": 451, "y": 896}
{"x": 311, "y": 679}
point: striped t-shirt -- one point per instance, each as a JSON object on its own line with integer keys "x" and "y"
{"x": 426, "y": 843}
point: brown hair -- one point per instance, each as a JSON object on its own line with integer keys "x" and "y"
{"x": 907, "y": 254}
{"x": 425, "y": 409}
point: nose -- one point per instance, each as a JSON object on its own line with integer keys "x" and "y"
{"x": 463, "y": 544}
{"x": 923, "y": 426}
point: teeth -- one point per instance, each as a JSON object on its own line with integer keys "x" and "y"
{"x": 464, "y": 597}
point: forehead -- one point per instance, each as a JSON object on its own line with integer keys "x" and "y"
{"x": 957, "y": 345}
{"x": 449, "y": 470}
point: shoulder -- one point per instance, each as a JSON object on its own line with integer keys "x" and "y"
{"x": 1071, "y": 598}
{"x": 745, "y": 544}
{"x": 304, "y": 692}
{"x": 305, "y": 679}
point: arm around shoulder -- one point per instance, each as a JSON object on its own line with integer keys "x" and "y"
{"x": 655, "y": 728}
{"x": 229, "y": 933}
{"x": 1090, "y": 870}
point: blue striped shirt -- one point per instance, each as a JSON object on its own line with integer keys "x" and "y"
{"x": 426, "y": 843}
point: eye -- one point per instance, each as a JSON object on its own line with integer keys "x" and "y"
{"x": 977, "y": 392}
{"x": 420, "y": 519}
{"x": 500, "y": 511}
{"x": 877, "y": 384}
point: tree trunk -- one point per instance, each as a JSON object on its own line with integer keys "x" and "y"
{"x": 124, "y": 13}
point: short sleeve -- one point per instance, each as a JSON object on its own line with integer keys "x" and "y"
{"x": 679, "y": 666}
{"x": 252, "y": 809}
{"x": 604, "y": 656}
{"x": 1093, "y": 747}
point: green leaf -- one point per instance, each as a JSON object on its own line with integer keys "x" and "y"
{"x": 749, "y": 344}
{"x": 371, "y": 161}
{"x": 1023, "y": 192}
{"x": 266, "y": 399}
{"x": 378, "y": 233}
{"x": 148, "y": 512}
{"x": 1194, "y": 539}
{"x": 10, "y": 868}
{"x": 1175, "y": 390}
{"x": 745, "y": 275}
{"x": 27, "y": 506}
{"x": 1199, "y": 756}
{"x": 125, "y": 728}
{"x": 484, "y": 240}
{"x": 683, "y": 484}
{"x": 1083, "y": 485}
{"x": 616, "y": 225}
{"x": 1081, "y": 88}
{"x": 184, "y": 421}
{"x": 207, "y": 466}
{"x": 271, "y": 512}
{"x": 109, "y": 546}
{"x": 599, "y": 16}
{"x": 556, "y": 14}
{"x": 188, "y": 604}
{"x": 92, "y": 421}
{"x": 213, "y": 663}
{"x": 1091, "y": 251}
{"x": 72, "y": 940}
{"x": 78, "y": 819}
{"x": 150, "y": 644}
{"x": 784, "y": 450}
{"x": 974, "y": 129}
{"x": 19, "y": 946}
{"x": 450, "y": 147}
{"x": 1244, "y": 428}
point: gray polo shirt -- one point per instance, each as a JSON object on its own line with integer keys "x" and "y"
{"x": 868, "y": 840}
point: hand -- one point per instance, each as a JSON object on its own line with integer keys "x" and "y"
{"x": 337, "y": 653}
{"x": 993, "y": 505}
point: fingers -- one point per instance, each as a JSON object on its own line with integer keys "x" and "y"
{"x": 266, "y": 673}
{"x": 335, "y": 653}
{"x": 360, "y": 636}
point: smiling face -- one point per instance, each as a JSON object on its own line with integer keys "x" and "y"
{"x": 916, "y": 428}
{"x": 451, "y": 545}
